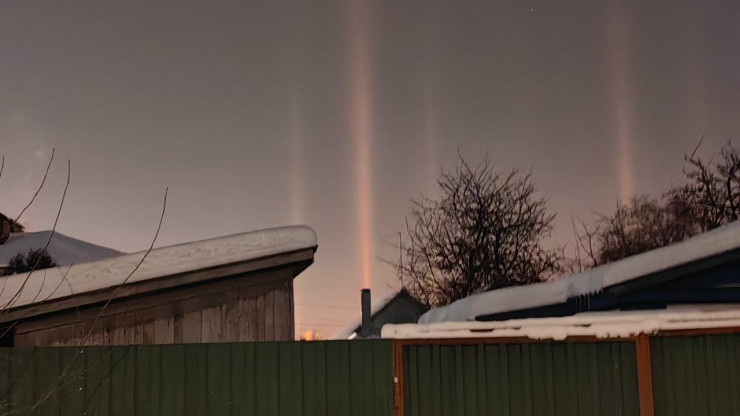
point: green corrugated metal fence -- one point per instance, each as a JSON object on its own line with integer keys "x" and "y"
{"x": 597, "y": 378}
{"x": 691, "y": 375}
{"x": 697, "y": 375}
{"x": 269, "y": 378}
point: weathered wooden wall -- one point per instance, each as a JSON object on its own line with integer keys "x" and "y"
{"x": 258, "y": 307}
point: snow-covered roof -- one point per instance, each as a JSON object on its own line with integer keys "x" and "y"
{"x": 50, "y": 284}
{"x": 64, "y": 250}
{"x": 349, "y": 331}
{"x": 605, "y": 324}
{"x": 702, "y": 246}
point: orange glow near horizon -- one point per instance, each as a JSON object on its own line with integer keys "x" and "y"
{"x": 310, "y": 335}
{"x": 618, "y": 68}
{"x": 361, "y": 121}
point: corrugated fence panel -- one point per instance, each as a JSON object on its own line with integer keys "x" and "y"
{"x": 598, "y": 378}
{"x": 698, "y": 375}
{"x": 267, "y": 378}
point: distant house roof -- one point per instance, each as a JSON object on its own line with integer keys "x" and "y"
{"x": 611, "y": 324}
{"x": 399, "y": 307}
{"x": 710, "y": 249}
{"x": 171, "y": 266}
{"x": 63, "y": 250}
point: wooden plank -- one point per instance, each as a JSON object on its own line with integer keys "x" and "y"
{"x": 261, "y": 318}
{"x": 244, "y": 318}
{"x": 149, "y": 330}
{"x": 253, "y": 324}
{"x": 211, "y": 325}
{"x": 269, "y": 316}
{"x": 644, "y": 375}
{"x": 167, "y": 310}
{"x": 191, "y": 327}
{"x": 230, "y": 321}
{"x": 164, "y": 331}
{"x": 282, "y": 318}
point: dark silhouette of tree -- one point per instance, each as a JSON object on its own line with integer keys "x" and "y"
{"x": 709, "y": 198}
{"x": 33, "y": 260}
{"x": 713, "y": 188}
{"x": 484, "y": 232}
{"x": 8, "y": 226}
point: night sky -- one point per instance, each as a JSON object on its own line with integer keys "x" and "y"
{"x": 334, "y": 114}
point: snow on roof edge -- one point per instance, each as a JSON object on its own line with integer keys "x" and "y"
{"x": 606, "y": 324}
{"x": 711, "y": 243}
{"x": 48, "y": 284}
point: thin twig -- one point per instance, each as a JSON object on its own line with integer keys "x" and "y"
{"x": 66, "y": 369}
{"x": 15, "y": 220}
{"x": 16, "y": 296}
{"x": 697, "y": 147}
{"x": 149, "y": 250}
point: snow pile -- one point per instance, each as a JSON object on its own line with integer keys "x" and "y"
{"x": 63, "y": 250}
{"x": 704, "y": 245}
{"x": 50, "y": 284}
{"x": 606, "y": 324}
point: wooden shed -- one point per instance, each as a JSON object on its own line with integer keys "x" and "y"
{"x": 234, "y": 288}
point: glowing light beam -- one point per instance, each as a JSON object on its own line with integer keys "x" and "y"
{"x": 618, "y": 67}
{"x": 295, "y": 132}
{"x": 361, "y": 125}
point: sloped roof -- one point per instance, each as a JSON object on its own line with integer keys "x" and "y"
{"x": 349, "y": 330}
{"x": 50, "y": 284}
{"x": 64, "y": 250}
{"x": 710, "y": 244}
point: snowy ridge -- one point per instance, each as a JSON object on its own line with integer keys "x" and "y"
{"x": 63, "y": 249}
{"x": 704, "y": 245}
{"x": 50, "y": 284}
{"x": 606, "y": 324}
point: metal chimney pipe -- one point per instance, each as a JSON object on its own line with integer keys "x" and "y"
{"x": 366, "y": 327}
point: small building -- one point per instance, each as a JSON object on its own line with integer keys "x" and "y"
{"x": 234, "y": 288}
{"x": 399, "y": 308}
{"x": 704, "y": 269}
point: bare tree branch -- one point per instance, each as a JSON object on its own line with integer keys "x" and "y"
{"x": 17, "y": 294}
{"x": 15, "y": 220}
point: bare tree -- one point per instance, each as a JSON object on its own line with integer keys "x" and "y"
{"x": 69, "y": 373}
{"x": 713, "y": 188}
{"x": 484, "y": 232}
{"x": 709, "y": 198}
{"x": 641, "y": 225}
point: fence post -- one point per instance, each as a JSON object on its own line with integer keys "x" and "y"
{"x": 398, "y": 409}
{"x": 644, "y": 375}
